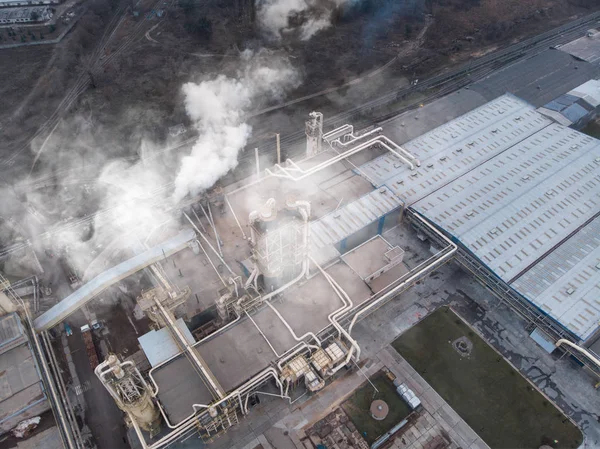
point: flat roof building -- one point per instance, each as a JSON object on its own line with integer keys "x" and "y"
{"x": 22, "y": 394}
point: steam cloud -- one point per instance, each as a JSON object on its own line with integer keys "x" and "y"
{"x": 218, "y": 106}
{"x": 312, "y": 16}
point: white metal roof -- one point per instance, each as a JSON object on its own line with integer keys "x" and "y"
{"x": 160, "y": 345}
{"x": 456, "y": 148}
{"x": 589, "y": 91}
{"x": 513, "y": 200}
{"x": 345, "y": 221}
{"x": 566, "y": 283}
{"x": 518, "y": 205}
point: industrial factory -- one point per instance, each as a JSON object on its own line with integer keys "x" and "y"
{"x": 289, "y": 260}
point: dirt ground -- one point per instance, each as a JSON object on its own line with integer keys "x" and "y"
{"x": 136, "y": 93}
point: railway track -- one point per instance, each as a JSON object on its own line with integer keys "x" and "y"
{"x": 83, "y": 81}
{"x": 367, "y": 113}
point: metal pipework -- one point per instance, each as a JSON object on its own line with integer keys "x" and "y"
{"x": 584, "y": 351}
{"x": 379, "y": 140}
{"x": 428, "y": 266}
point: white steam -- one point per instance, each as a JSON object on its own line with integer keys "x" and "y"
{"x": 306, "y": 17}
{"x": 217, "y": 107}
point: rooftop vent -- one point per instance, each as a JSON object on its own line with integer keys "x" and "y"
{"x": 500, "y": 111}
{"x": 570, "y": 291}
{"x": 430, "y": 165}
{"x": 397, "y": 165}
{"x": 597, "y": 160}
{"x": 400, "y": 181}
{"x": 494, "y": 231}
{"x": 337, "y": 214}
{"x": 574, "y": 147}
{"x": 518, "y": 119}
{"x": 494, "y": 131}
{"x": 598, "y": 266}
{"x": 470, "y": 213}
{"x": 526, "y": 178}
{"x": 382, "y": 190}
{"x": 414, "y": 174}
{"x": 443, "y": 158}
{"x": 459, "y": 150}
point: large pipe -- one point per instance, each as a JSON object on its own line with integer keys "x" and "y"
{"x": 379, "y": 140}
{"x": 87, "y": 292}
{"x": 287, "y": 325}
{"x": 428, "y": 266}
{"x": 584, "y": 351}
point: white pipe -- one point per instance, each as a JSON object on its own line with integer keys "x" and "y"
{"x": 338, "y": 130}
{"x": 584, "y": 351}
{"x": 198, "y": 218}
{"x": 308, "y": 334}
{"x": 235, "y": 216}
{"x": 394, "y": 291}
{"x": 263, "y": 335}
{"x": 212, "y": 222}
{"x": 339, "y": 327}
{"x": 379, "y": 140}
{"x": 208, "y": 243}
{"x": 205, "y": 372}
{"x": 355, "y": 138}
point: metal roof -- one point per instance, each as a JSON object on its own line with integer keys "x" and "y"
{"x": 566, "y": 283}
{"x": 10, "y": 329}
{"x": 590, "y": 92}
{"x": 586, "y": 48}
{"x": 456, "y": 148}
{"x": 512, "y": 201}
{"x": 516, "y": 206}
{"x": 345, "y": 221}
{"x": 160, "y": 345}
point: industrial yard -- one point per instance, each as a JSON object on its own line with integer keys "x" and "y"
{"x": 207, "y": 239}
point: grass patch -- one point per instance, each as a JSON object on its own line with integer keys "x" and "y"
{"x": 493, "y": 398}
{"x": 357, "y": 407}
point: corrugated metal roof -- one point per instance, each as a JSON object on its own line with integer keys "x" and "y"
{"x": 589, "y": 91}
{"x": 516, "y": 206}
{"x": 345, "y": 221}
{"x": 451, "y": 150}
{"x": 575, "y": 112}
{"x": 513, "y": 207}
{"x": 566, "y": 283}
{"x": 160, "y": 345}
{"x": 10, "y": 328}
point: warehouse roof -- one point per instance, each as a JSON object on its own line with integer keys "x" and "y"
{"x": 515, "y": 202}
{"x": 456, "y": 148}
{"x": 566, "y": 283}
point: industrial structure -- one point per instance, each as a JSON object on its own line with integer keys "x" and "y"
{"x": 298, "y": 256}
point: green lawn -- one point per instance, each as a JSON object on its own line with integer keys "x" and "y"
{"x": 493, "y": 398}
{"x": 357, "y": 407}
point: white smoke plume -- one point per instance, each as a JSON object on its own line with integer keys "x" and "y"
{"x": 305, "y": 17}
{"x": 217, "y": 107}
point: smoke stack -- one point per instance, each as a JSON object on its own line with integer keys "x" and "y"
{"x": 314, "y": 134}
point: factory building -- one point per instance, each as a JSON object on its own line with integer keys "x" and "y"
{"x": 520, "y": 194}
{"x": 22, "y": 394}
{"x": 25, "y": 15}
{"x": 292, "y": 258}
{"x": 577, "y": 107}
